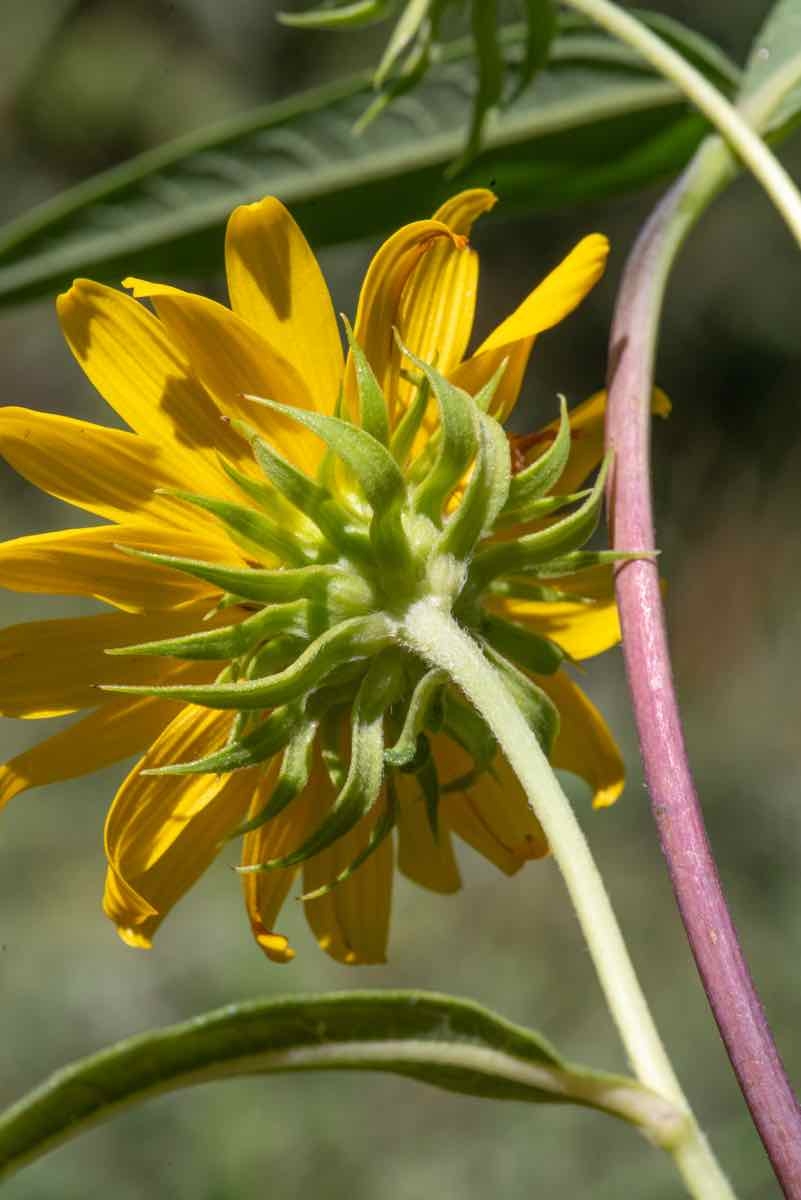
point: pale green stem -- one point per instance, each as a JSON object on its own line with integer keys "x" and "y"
{"x": 731, "y": 124}
{"x": 435, "y": 635}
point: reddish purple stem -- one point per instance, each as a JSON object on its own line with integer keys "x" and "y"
{"x": 677, "y": 812}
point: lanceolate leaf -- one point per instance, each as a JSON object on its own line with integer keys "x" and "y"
{"x": 593, "y": 122}
{"x": 435, "y": 1039}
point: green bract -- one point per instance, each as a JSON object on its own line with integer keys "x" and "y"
{"x": 317, "y": 654}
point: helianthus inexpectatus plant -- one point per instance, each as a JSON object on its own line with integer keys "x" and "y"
{"x": 278, "y": 504}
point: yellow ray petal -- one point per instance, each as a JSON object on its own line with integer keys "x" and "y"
{"x": 428, "y": 862}
{"x": 492, "y": 815}
{"x": 460, "y": 212}
{"x": 380, "y": 299}
{"x": 351, "y": 923}
{"x": 596, "y": 583}
{"x": 105, "y": 471}
{"x": 233, "y": 360}
{"x": 276, "y": 285}
{"x": 137, "y": 911}
{"x": 49, "y": 668}
{"x": 110, "y": 733}
{"x": 435, "y": 317}
{"x": 549, "y": 303}
{"x": 584, "y": 744}
{"x": 131, "y": 360}
{"x": 86, "y": 562}
{"x": 162, "y": 832}
{"x": 582, "y": 630}
{"x": 266, "y": 891}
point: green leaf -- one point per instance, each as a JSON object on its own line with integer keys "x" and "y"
{"x": 536, "y": 510}
{"x": 483, "y": 398}
{"x": 273, "y": 503}
{"x": 340, "y": 16}
{"x": 581, "y": 560}
{"x": 541, "y": 27}
{"x": 702, "y": 53}
{"x": 489, "y": 63}
{"x": 594, "y": 122}
{"x": 438, "y": 1040}
{"x": 332, "y": 747}
{"x": 464, "y": 725}
{"x": 357, "y": 638}
{"x": 403, "y": 35}
{"x": 773, "y": 70}
{"x": 427, "y": 778}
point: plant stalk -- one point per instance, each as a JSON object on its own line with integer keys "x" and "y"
{"x": 436, "y": 637}
{"x": 677, "y": 812}
{"x": 731, "y": 124}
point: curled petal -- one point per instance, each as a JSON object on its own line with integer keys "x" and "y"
{"x": 163, "y": 832}
{"x": 438, "y": 303}
{"x": 379, "y": 306}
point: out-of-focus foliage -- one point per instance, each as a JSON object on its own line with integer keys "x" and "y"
{"x": 416, "y": 42}
{"x": 595, "y": 122}
{"x": 776, "y": 56}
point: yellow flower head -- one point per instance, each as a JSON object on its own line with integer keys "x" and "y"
{"x": 275, "y": 510}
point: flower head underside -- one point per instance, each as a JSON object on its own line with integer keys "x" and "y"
{"x": 279, "y": 504}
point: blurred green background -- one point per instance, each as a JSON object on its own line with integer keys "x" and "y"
{"x": 84, "y": 85}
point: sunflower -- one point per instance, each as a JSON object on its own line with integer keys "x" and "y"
{"x": 274, "y": 506}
